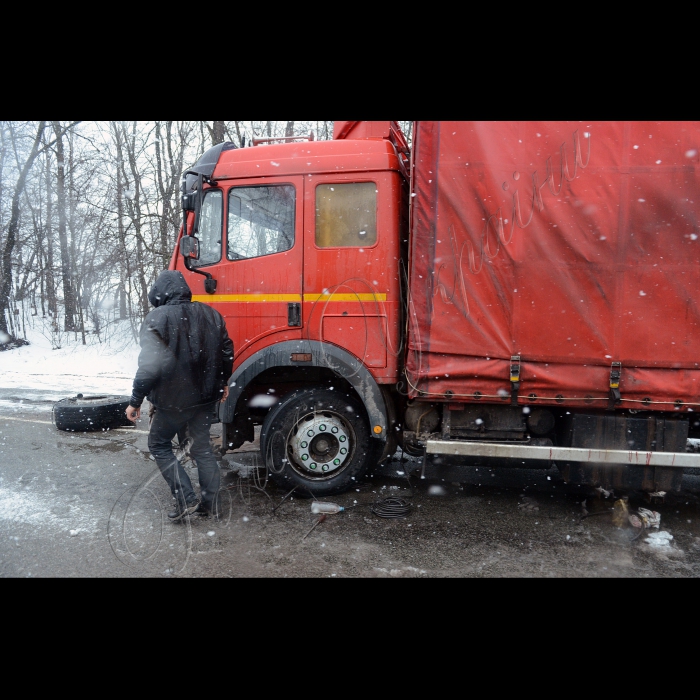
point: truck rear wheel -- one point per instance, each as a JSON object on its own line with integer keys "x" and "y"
{"x": 318, "y": 440}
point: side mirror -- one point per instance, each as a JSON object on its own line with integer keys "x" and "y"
{"x": 189, "y": 247}
{"x": 189, "y": 201}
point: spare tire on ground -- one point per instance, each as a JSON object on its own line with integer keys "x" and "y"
{"x": 85, "y": 413}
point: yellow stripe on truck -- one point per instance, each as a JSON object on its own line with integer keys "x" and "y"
{"x": 245, "y": 297}
{"x": 345, "y": 297}
{"x": 260, "y": 298}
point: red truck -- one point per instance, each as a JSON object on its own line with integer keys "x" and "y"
{"x": 501, "y": 293}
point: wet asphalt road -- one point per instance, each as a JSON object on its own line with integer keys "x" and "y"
{"x": 93, "y": 505}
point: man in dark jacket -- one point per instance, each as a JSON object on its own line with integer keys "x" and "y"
{"x": 185, "y": 362}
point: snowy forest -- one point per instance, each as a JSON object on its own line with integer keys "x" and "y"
{"x": 89, "y": 214}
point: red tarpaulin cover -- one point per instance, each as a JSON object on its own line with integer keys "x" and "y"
{"x": 571, "y": 244}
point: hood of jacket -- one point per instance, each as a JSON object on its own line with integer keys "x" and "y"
{"x": 170, "y": 288}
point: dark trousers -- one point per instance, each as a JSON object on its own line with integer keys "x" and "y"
{"x": 197, "y": 420}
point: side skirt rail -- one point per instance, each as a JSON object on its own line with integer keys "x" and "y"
{"x": 563, "y": 454}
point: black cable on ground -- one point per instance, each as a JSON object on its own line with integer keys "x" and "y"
{"x": 391, "y": 507}
{"x": 598, "y": 512}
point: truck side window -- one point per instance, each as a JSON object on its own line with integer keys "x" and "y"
{"x": 346, "y": 214}
{"x": 260, "y": 220}
{"x": 210, "y": 224}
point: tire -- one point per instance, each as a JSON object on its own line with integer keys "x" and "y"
{"x": 86, "y": 413}
{"x": 317, "y": 440}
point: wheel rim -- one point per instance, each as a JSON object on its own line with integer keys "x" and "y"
{"x": 320, "y": 445}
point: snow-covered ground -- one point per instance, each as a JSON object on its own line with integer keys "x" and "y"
{"x": 37, "y": 374}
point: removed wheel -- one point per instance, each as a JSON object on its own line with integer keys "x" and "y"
{"x": 91, "y": 412}
{"x": 318, "y": 440}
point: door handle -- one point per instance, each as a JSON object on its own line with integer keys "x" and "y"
{"x": 294, "y": 313}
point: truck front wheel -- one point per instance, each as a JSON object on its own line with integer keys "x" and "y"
{"x": 317, "y": 440}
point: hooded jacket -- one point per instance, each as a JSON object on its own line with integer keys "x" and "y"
{"x": 186, "y": 354}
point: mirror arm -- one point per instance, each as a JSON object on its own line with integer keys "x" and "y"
{"x": 198, "y": 208}
{"x": 209, "y": 282}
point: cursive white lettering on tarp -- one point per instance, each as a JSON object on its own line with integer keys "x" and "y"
{"x": 498, "y": 231}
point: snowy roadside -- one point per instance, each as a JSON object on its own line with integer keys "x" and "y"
{"x": 35, "y": 374}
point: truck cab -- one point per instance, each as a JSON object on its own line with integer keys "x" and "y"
{"x": 301, "y": 248}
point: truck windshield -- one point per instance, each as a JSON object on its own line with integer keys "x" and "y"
{"x": 260, "y": 220}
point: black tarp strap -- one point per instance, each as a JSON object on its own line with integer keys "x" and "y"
{"x": 615, "y": 398}
{"x": 514, "y": 379}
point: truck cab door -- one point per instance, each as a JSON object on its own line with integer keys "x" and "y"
{"x": 351, "y": 273}
{"x": 259, "y": 266}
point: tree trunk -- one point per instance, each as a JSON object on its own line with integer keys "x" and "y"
{"x": 163, "y": 190}
{"x": 169, "y": 166}
{"x": 50, "y": 281}
{"x": 238, "y": 133}
{"x": 217, "y": 133}
{"x": 66, "y": 272}
{"x": 289, "y": 131}
{"x": 76, "y": 279}
{"x": 134, "y": 206}
{"x": 124, "y": 252}
{"x": 42, "y": 283}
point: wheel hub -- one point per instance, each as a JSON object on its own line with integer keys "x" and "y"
{"x": 321, "y": 444}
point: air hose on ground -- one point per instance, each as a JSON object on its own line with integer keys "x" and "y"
{"x": 391, "y": 507}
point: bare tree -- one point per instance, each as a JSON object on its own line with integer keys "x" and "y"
{"x": 50, "y": 283}
{"x": 6, "y": 284}
{"x": 217, "y": 132}
{"x": 66, "y": 272}
{"x": 170, "y": 146}
{"x": 134, "y": 208}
